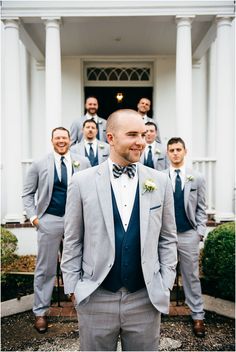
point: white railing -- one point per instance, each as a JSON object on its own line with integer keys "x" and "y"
{"x": 207, "y": 167}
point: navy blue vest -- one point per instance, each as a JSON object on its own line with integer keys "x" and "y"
{"x": 182, "y": 222}
{"x": 126, "y": 271}
{"x": 58, "y": 201}
{"x": 95, "y": 161}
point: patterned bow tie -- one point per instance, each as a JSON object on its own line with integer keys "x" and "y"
{"x": 119, "y": 170}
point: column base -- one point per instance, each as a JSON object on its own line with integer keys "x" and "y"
{"x": 13, "y": 218}
{"x": 223, "y": 217}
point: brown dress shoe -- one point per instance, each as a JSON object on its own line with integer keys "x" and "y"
{"x": 199, "y": 328}
{"x": 41, "y": 324}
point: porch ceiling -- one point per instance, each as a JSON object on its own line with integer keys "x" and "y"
{"x": 118, "y": 35}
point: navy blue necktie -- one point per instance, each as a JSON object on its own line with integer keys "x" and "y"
{"x": 91, "y": 154}
{"x": 63, "y": 171}
{"x": 178, "y": 185}
{"x": 149, "y": 161}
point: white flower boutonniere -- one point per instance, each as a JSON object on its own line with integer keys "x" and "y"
{"x": 149, "y": 186}
{"x": 157, "y": 151}
{"x": 101, "y": 146}
{"x": 76, "y": 164}
{"x": 189, "y": 178}
{"x": 99, "y": 121}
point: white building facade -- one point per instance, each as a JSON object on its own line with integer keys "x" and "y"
{"x": 52, "y": 51}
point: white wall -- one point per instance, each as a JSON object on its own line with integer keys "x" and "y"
{"x": 72, "y": 90}
{"x": 165, "y": 97}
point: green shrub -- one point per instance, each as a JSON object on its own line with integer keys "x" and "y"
{"x": 218, "y": 263}
{"x": 8, "y": 246}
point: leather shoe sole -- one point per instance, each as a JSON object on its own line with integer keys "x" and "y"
{"x": 199, "y": 328}
{"x": 41, "y": 324}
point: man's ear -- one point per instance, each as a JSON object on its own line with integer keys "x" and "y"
{"x": 110, "y": 138}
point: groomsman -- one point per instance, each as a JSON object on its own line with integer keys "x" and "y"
{"x": 144, "y": 105}
{"x": 91, "y": 106}
{"x": 46, "y": 182}
{"x": 190, "y": 214}
{"x": 96, "y": 151}
{"x": 118, "y": 266}
{"x": 154, "y": 155}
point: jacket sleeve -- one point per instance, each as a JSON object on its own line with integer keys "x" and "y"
{"x": 73, "y": 237}
{"x": 201, "y": 216}
{"x": 29, "y": 190}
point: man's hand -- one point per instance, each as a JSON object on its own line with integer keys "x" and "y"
{"x": 36, "y": 222}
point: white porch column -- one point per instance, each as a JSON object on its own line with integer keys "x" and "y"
{"x": 184, "y": 81}
{"x": 53, "y": 77}
{"x": 225, "y": 129}
{"x": 211, "y": 121}
{"x": 12, "y": 134}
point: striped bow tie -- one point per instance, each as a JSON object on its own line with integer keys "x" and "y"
{"x": 119, "y": 170}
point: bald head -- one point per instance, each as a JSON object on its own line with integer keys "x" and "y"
{"x": 118, "y": 116}
{"x": 126, "y": 136}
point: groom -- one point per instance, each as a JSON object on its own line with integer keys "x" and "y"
{"x": 119, "y": 253}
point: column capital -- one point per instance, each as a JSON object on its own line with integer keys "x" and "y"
{"x": 52, "y": 21}
{"x": 184, "y": 20}
{"x": 11, "y": 22}
{"x": 223, "y": 20}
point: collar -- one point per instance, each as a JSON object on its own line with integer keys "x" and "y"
{"x": 182, "y": 171}
{"x": 58, "y": 156}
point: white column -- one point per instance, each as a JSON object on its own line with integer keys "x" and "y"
{"x": 184, "y": 81}
{"x": 53, "y": 77}
{"x": 225, "y": 151}
{"x": 12, "y": 134}
{"x": 211, "y": 111}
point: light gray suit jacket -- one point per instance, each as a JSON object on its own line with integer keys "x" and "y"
{"x": 160, "y": 159}
{"x": 76, "y": 133}
{"x": 89, "y": 244}
{"x": 103, "y": 150}
{"x": 40, "y": 179}
{"x": 194, "y": 200}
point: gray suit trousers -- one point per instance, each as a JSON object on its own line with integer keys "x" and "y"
{"x": 107, "y": 315}
{"x": 188, "y": 252}
{"x": 50, "y": 232}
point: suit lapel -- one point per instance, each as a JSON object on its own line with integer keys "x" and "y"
{"x": 104, "y": 196}
{"x": 144, "y": 201}
{"x": 187, "y": 187}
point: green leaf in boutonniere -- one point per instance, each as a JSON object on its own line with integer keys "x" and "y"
{"x": 149, "y": 186}
{"x": 76, "y": 164}
{"x": 189, "y": 178}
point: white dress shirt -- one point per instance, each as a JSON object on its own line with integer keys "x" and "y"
{"x": 173, "y": 175}
{"x": 89, "y": 117}
{"x": 124, "y": 189}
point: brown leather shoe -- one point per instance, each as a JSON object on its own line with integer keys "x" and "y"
{"x": 199, "y": 328}
{"x": 41, "y": 324}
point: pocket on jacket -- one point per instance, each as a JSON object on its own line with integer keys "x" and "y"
{"x": 155, "y": 207}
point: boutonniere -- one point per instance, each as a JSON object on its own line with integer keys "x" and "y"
{"x": 101, "y": 146}
{"x": 189, "y": 178}
{"x": 157, "y": 151}
{"x": 99, "y": 121}
{"x": 149, "y": 186}
{"x": 76, "y": 164}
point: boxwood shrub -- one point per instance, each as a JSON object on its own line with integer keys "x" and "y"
{"x": 218, "y": 261}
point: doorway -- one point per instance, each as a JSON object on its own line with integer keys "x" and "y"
{"x": 108, "y": 102}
